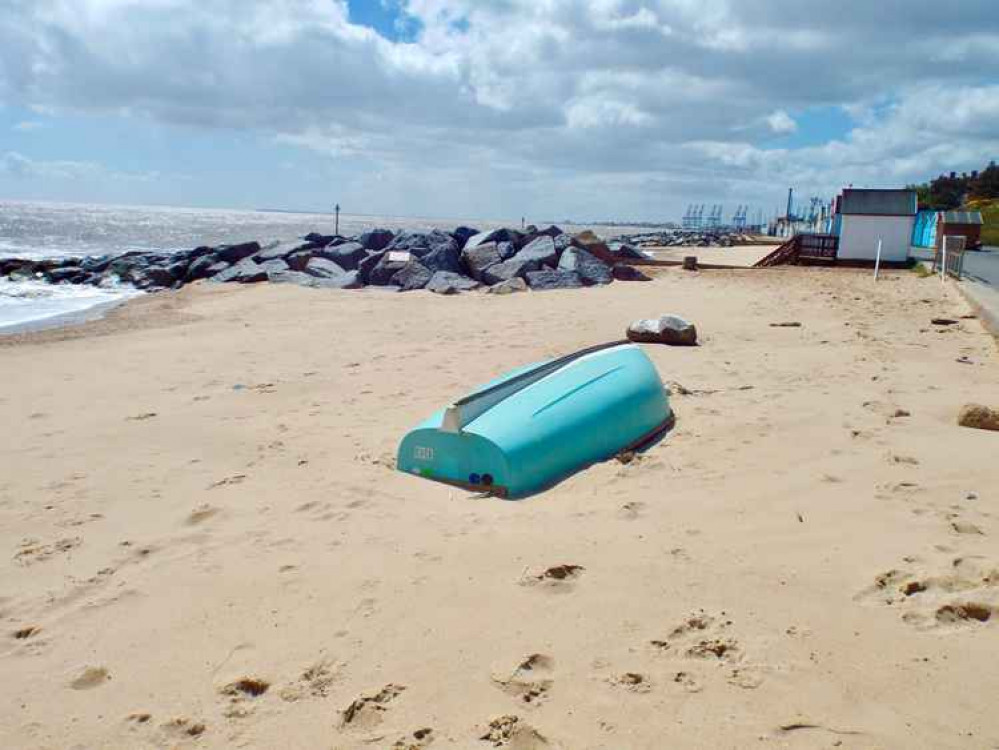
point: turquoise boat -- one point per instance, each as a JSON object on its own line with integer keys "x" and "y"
{"x": 533, "y": 427}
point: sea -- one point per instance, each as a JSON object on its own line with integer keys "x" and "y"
{"x": 58, "y": 230}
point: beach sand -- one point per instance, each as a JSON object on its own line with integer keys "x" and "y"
{"x": 204, "y": 543}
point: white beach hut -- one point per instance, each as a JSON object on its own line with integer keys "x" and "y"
{"x": 866, "y": 216}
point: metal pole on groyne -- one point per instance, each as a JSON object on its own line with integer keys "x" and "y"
{"x": 336, "y": 224}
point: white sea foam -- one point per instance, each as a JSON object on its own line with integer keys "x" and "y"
{"x": 30, "y": 302}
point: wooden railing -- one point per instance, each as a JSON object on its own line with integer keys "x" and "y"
{"x": 803, "y": 248}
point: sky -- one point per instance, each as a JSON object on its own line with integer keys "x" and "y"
{"x": 549, "y": 109}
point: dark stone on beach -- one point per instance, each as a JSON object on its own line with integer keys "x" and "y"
{"x": 178, "y": 269}
{"x": 412, "y": 276}
{"x": 321, "y": 240}
{"x": 417, "y": 243}
{"x": 152, "y": 277}
{"x": 509, "y": 286}
{"x": 590, "y": 269}
{"x": 71, "y": 274}
{"x": 346, "y": 255}
{"x": 546, "y": 279}
{"x": 368, "y": 264}
{"x": 509, "y": 269}
{"x": 245, "y": 272}
{"x": 540, "y": 250}
{"x": 322, "y": 268}
{"x": 346, "y": 280}
{"x": 444, "y": 256}
{"x": 287, "y": 276}
{"x": 506, "y": 250}
{"x": 446, "y": 282}
{"x": 624, "y": 250}
{"x": 494, "y": 235}
{"x": 462, "y": 234}
{"x": 274, "y": 266}
{"x": 203, "y": 268}
{"x": 277, "y": 250}
{"x": 236, "y": 253}
{"x": 622, "y": 272}
{"x": 390, "y": 263}
{"x": 298, "y": 260}
{"x": 669, "y": 329}
{"x": 479, "y": 258}
{"x": 96, "y": 263}
{"x": 375, "y": 239}
{"x": 551, "y": 231}
{"x": 563, "y": 242}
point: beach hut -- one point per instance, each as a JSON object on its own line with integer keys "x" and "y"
{"x": 866, "y": 216}
{"x": 967, "y": 224}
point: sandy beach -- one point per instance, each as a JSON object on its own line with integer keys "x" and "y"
{"x": 205, "y": 545}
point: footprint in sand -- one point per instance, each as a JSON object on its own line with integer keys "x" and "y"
{"x": 955, "y": 591}
{"x": 418, "y": 740}
{"x": 514, "y": 733}
{"x": 702, "y": 636}
{"x": 239, "y": 692}
{"x": 315, "y": 681}
{"x": 184, "y": 728}
{"x": 530, "y": 681}
{"x": 633, "y": 682}
{"x": 201, "y": 514}
{"x": 368, "y": 710}
{"x": 32, "y": 551}
{"x": 89, "y": 678}
{"x": 558, "y": 578}
{"x": 23, "y": 634}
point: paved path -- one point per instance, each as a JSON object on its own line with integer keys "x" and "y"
{"x": 982, "y": 265}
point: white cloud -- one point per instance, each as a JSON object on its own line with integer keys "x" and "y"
{"x": 17, "y": 165}
{"x": 781, "y": 122}
{"x": 561, "y": 93}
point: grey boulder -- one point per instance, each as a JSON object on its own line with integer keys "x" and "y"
{"x": 413, "y": 275}
{"x": 510, "y": 286}
{"x": 387, "y": 266}
{"x": 479, "y": 258}
{"x": 236, "y": 253}
{"x": 509, "y": 269}
{"x": 540, "y": 250}
{"x": 546, "y": 279}
{"x": 669, "y": 329}
{"x": 346, "y": 255}
{"x": 446, "y": 282}
{"x": 323, "y": 268}
{"x": 375, "y": 239}
{"x": 244, "y": 272}
{"x": 590, "y": 269}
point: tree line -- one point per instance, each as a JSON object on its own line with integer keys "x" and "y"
{"x": 950, "y": 191}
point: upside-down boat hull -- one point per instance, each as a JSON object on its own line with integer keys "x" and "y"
{"x": 535, "y": 426}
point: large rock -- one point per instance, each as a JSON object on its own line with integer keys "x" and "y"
{"x": 97, "y": 263}
{"x": 509, "y": 286}
{"x": 540, "y": 250}
{"x": 509, "y": 269}
{"x": 978, "y": 417}
{"x": 479, "y": 258}
{"x": 276, "y": 265}
{"x": 277, "y": 250}
{"x": 551, "y": 230}
{"x": 412, "y": 276}
{"x": 628, "y": 273}
{"x": 417, "y": 243}
{"x": 204, "y": 267}
{"x": 346, "y": 255}
{"x": 375, "y": 239}
{"x": 546, "y": 279}
{"x": 288, "y": 276}
{"x": 323, "y": 268}
{"x": 66, "y": 274}
{"x": 443, "y": 257}
{"x": 387, "y": 266}
{"x": 298, "y": 260}
{"x": 346, "y": 280}
{"x": 247, "y": 271}
{"x": 152, "y": 277}
{"x": 367, "y": 265}
{"x": 493, "y": 235}
{"x": 236, "y": 253}
{"x": 320, "y": 240}
{"x": 506, "y": 250}
{"x": 446, "y": 282}
{"x": 590, "y": 269}
{"x": 461, "y": 235}
{"x": 669, "y": 329}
